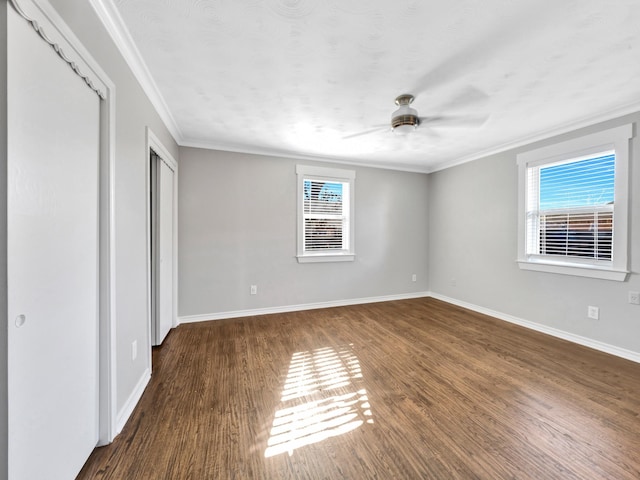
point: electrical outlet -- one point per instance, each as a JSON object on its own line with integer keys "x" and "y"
{"x": 414, "y": 277}
{"x": 634, "y": 298}
{"x": 593, "y": 312}
{"x": 254, "y": 289}
{"x": 134, "y": 350}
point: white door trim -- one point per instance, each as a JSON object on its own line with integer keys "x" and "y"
{"x": 50, "y": 26}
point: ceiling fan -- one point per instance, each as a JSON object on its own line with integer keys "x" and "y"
{"x": 405, "y": 119}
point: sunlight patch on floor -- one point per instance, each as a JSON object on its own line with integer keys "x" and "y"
{"x": 323, "y": 397}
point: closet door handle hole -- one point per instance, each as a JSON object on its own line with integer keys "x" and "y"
{"x": 20, "y": 320}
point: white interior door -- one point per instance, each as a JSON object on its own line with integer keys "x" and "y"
{"x": 53, "y": 153}
{"x": 165, "y": 216}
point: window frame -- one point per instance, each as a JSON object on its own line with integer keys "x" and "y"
{"x": 613, "y": 139}
{"x": 307, "y": 172}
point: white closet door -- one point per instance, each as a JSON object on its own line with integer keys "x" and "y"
{"x": 53, "y": 153}
{"x": 165, "y": 252}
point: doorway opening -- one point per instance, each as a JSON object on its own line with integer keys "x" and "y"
{"x": 162, "y": 241}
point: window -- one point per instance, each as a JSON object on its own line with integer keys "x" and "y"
{"x": 572, "y": 209}
{"x": 573, "y": 206}
{"x": 325, "y": 214}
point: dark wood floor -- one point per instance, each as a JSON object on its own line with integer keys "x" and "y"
{"x": 414, "y": 389}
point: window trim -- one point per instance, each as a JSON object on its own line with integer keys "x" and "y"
{"x": 329, "y": 174}
{"x": 616, "y": 139}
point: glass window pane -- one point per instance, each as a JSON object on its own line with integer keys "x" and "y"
{"x": 582, "y": 183}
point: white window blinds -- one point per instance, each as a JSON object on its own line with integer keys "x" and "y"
{"x": 326, "y": 226}
{"x": 570, "y": 208}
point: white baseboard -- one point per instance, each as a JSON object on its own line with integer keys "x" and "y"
{"x": 297, "y": 308}
{"x": 132, "y": 401}
{"x": 571, "y": 337}
{"x": 584, "y": 341}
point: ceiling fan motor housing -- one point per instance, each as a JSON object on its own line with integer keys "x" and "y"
{"x": 405, "y": 118}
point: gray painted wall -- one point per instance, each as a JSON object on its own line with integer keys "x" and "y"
{"x": 237, "y": 227}
{"x": 472, "y": 239}
{"x": 133, "y": 113}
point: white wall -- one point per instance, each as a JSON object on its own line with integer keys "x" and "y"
{"x": 472, "y": 238}
{"x": 133, "y": 113}
{"x": 237, "y": 227}
{"x": 4, "y": 404}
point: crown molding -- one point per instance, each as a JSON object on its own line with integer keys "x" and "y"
{"x": 111, "y": 19}
{"x": 569, "y": 127}
{"x": 253, "y": 150}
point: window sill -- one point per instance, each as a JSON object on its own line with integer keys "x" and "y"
{"x": 603, "y": 273}
{"x": 322, "y": 257}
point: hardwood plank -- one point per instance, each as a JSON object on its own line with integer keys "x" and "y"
{"x": 396, "y": 390}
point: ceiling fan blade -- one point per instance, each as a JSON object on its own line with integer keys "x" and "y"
{"x": 431, "y": 132}
{"x": 454, "y": 121}
{"x": 526, "y": 20}
{"x": 379, "y": 128}
{"x": 468, "y": 97}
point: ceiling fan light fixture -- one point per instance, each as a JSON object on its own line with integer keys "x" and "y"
{"x": 405, "y": 119}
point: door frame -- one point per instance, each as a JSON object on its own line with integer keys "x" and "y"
{"x": 153, "y": 143}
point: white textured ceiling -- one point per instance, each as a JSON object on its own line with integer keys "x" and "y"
{"x": 294, "y": 77}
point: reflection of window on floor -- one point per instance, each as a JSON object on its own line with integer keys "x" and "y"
{"x": 323, "y": 397}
